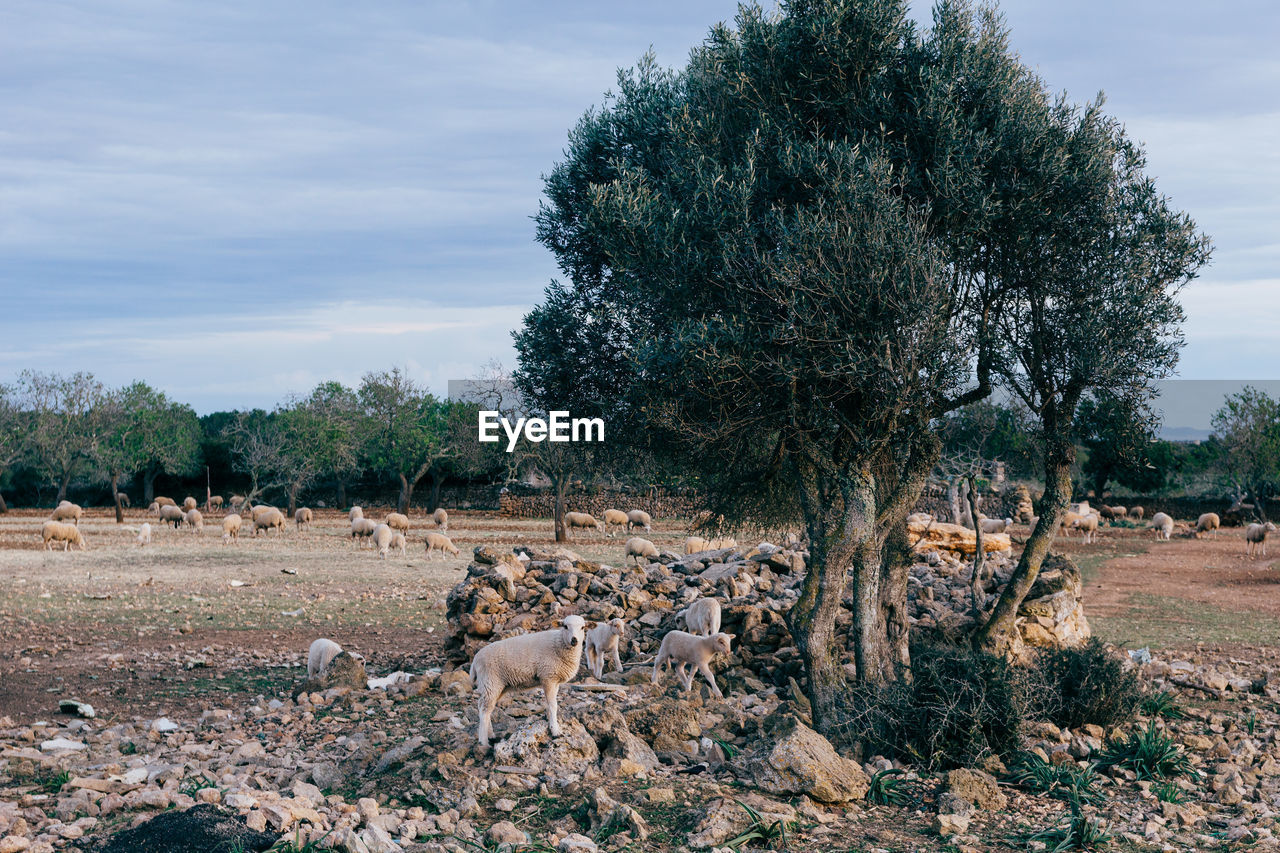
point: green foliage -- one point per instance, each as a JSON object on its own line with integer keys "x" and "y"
{"x": 1247, "y": 428}
{"x": 297, "y": 845}
{"x": 1088, "y": 684}
{"x": 1162, "y": 703}
{"x": 1066, "y": 781}
{"x": 52, "y": 783}
{"x": 1117, "y": 432}
{"x": 1169, "y": 792}
{"x": 1078, "y": 831}
{"x": 1149, "y": 752}
{"x": 760, "y": 833}
{"x": 887, "y": 789}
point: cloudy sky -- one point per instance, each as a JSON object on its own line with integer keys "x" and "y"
{"x": 237, "y": 200}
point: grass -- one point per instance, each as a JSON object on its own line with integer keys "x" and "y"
{"x": 1162, "y": 703}
{"x": 887, "y": 789}
{"x": 1163, "y": 621}
{"x": 1149, "y": 753}
{"x": 760, "y": 833}
{"x": 1060, "y": 781}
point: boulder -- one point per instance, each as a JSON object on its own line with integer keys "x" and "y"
{"x": 797, "y": 760}
{"x": 977, "y": 788}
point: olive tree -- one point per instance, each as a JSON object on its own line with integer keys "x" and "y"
{"x": 13, "y": 435}
{"x": 65, "y": 423}
{"x": 404, "y": 429}
{"x": 1247, "y": 429}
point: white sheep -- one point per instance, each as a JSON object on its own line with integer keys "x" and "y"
{"x": 189, "y": 503}
{"x": 272, "y": 519}
{"x": 356, "y": 512}
{"x": 1162, "y": 524}
{"x": 382, "y": 539}
{"x": 441, "y": 518}
{"x": 614, "y": 518}
{"x": 302, "y": 516}
{"x": 231, "y": 527}
{"x": 397, "y": 521}
{"x": 237, "y": 502}
{"x": 194, "y": 519}
{"x": 639, "y": 518}
{"x": 144, "y": 534}
{"x": 1208, "y": 523}
{"x": 638, "y": 547}
{"x": 583, "y": 520}
{"x": 723, "y": 542}
{"x": 602, "y": 641}
{"x": 67, "y": 511}
{"x": 1255, "y": 537}
{"x": 213, "y": 503}
{"x": 1137, "y": 512}
{"x": 702, "y": 617}
{"x": 685, "y": 649}
{"x": 124, "y": 499}
{"x": 398, "y": 542}
{"x": 1088, "y": 526}
{"x": 996, "y": 525}
{"x": 696, "y": 545}
{"x": 362, "y": 528}
{"x": 320, "y": 655}
{"x": 159, "y": 502}
{"x": 172, "y": 514}
{"x": 59, "y": 531}
{"x": 261, "y": 509}
{"x": 442, "y": 543}
{"x": 543, "y": 659}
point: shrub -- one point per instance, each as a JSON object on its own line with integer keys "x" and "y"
{"x": 1149, "y": 753}
{"x": 1162, "y": 703}
{"x": 1088, "y": 684}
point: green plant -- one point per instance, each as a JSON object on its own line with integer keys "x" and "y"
{"x": 195, "y": 784}
{"x": 1162, "y": 703}
{"x": 1169, "y": 792}
{"x": 730, "y": 751}
{"x": 770, "y": 835}
{"x": 128, "y": 748}
{"x": 1149, "y": 753}
{"x": 1088, "y": 684}
{"x": 294, "y": 845}
{"x": 53, "y": 782}
{"x": 1078, "y": 832}
{"x": 1061, "y": 781}
{"x": 532, "y": 847}
{"x": 887, "y": 789}
{"x": 1251, "y": 722}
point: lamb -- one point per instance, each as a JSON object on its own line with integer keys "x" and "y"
{"x": 231, "y": 527}
{"x": 639, "y": 518}
{"x": 441, "y": 542}
{"x": 59, "y": 531}
{"x": 398, "y": 521}
{"x": 302, "y": 516}
{"x": 638, "y": 547}
{"x": 144, "y": 534}
{"x": 172, "y": 513}
{"x": 603, "y": 640}
{"x": 213, "y": 503}
{"x": 356, "y": 512}
{"x": 583, "y": 520}
{"x": 67, "y": 511}
{"x": 441, "y": 518}
{"x": 381, "y": 537}
{"x": 696, "y": 544}
{"x": 688, "y": 650}
{"x": 1208, "y": 523}
{"x": 194, "y": 519}
{"x": 1137, "y": 512}
{"x": 996, "y": 525}
{"x": 702, "y": 618}
{"x": 543, "y": 659}
{"x": 362, "y": 527}
{"x": 188, "y": 503}
{"x": 1088, "y": 526}
{"x": 1255, "y": 537}
{"x": 614, "y": 517}
{"x": 1162, "y": 525}
{"x": 320, "y": 655}
{"x": 398, "y": 541}
{"x": 271, "y": 519}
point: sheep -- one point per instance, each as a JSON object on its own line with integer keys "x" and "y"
{"x": 1106, "y": 512}
{"x": 441, "y": 542}
{"x": 696, "y": 544}
{"x": 1118, "y": 512}
{"x": 996, "y": 525}
{"x": 702, "y": 618}
{"x": 1162, "y": 525}
{"x": 583, "y": 520}
{"x": 362, "y": 528}
{"x": 398, "y": 541}
{"x": 441, "y": 518}
{"x": 320, "y": 655}
{"x": 159, "y": 502}
{"x": 171, "y": 513}
{"x": 124, "y": 499}
{"x": 398, "y": 521}
{"x": 302, "y": 516}
{"x": 1256, "y": 536}
{"x": 194, "y": 519}
{"x": 1088, "y": 526}
{"x": 688, "y": 650}
{"x": 144, "y": 534}
{"x": 261, "y": 509}
{"x": 614, "y": 517}
{"x": 1137, "y": 512}
{"x": 381, "y": 539}
{"x": 237, "y": 502}
{"x": 59, "y": 531}
{"x": 637, "y": 547}
{"x": 67, "y": 511}
{"x": 271, "y": 519}
{"x": 188, "y": 503}
{"x": 1208, "y": 523}
{"x": 213, "y": 503}
{"x": 231, "y": 527}
{"x": 639, "y": 518}
{"x": 543, "y": 659}
{"x": 356, "y": 512}
{"x": 603, "y": 640}
{"x": 723, "y": 542}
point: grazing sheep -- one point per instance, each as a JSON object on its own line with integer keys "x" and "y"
{"x": 614, "y": 517}
{"x": 1255, "y": 537}
{"x": 703, "y": 617}
{"x": 302, "y": 516}
{"x": 443, "y": 543}
{"x": 441, "y": 518}
{"x": 1162, "y": 525}
{"x": 356, "y": 512}
{"x": 59, "y": 531}
{"x": 382, "y": 540}
{"x": 603, "y": 640}
{"x": 996, "y": 525}
{"x": 144, "y": 534}
{"x": 723, "y": 542}
{"x": 213, "y": 504}
{"x": 1106, "y": 512}
{"x": 189, "y": 503}
{"x": 543, "y": 659}
{"x": 172, "y": 514}
{"x": 398, "y": 521}
{"x": 124, "y": 499}
{"x": 320, "y": 655}
{"x": 260, "y": 510}
{"x": 685, "y": 649}
{"x": 1119, "y": 512}
{"x": 639, "y": 518}
{"x": 638, "y": 547}
{"x": 231, "y": 527}
{"x": 1088, "y": 526}
{"x": 194, "y": 519}
{"x": 1208, "y": 523}
{"x": 1137, "y": 512}
{"x": 573, "y": 520}
{"x": 67, "y": 511}
{"x": 237, "y": 502}
{"x": 269, "y": 520}
{"x": 696, "y": 544}
{"x": 159, "y": 502}
{"x": 398, "y": 541}
{"x": 362, "y": 528}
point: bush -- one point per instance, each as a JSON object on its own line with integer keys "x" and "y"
{"x": 1149, "y": 753}
{"x": 960, "y": 706}
{"x": 1088, "y": 684}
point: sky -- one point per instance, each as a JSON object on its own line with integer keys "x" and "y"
{"x": 237, "y": 200}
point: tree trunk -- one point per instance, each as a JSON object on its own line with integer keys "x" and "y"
{"x": 406, "y": 495}
{"x": 953, "y": 500}
{"x": 975, "y": 582}
{"x": 4, "y": 507}
{"x": 997, "y": 634}
{"x": 62, "y": 487}
{"x": 1100, "y": 478}
{"x": 149, "y": 485}
{"x": 561, "y": 486}
{"x": 342, "y": 493}
{"x": 115, "y": 497}
{"x": 293, "y": 501}
{"x": 434, "y": 501}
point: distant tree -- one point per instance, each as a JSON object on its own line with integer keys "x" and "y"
{"x": 318, "y": 436}
{"x": 338, "y": 408}
{"x": 165, "y": 435}
{"x": 257, "y": 446}
{"x": 1247, "y": 432}
{"x": 1118, "y": 433}
{"x": 404, "y": 429}
{"x": 64, "y": 423}
{"x": 13, "y": 435}
{"x": 129, "y": 443}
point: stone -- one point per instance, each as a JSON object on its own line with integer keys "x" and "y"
{"x": 505, "y": 832}
{"x": 798, "y": 760}
{"x": 575, "y": 843}
{"x": 947, "y": 825}
{"x": 345, "y": 670}
{"x": 199, "y": 829}
{"x": 977, "y": 787}
{"x": 724, "y": 818}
